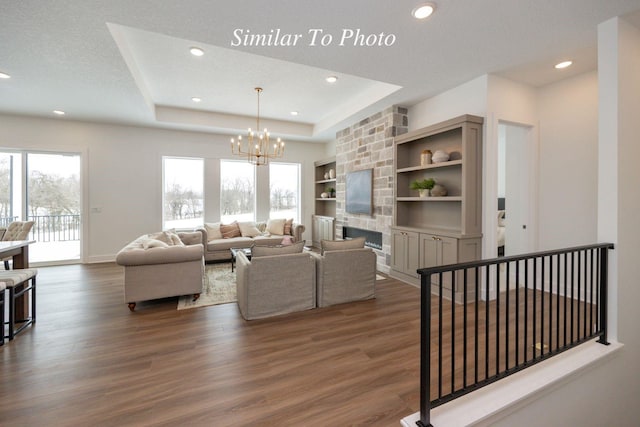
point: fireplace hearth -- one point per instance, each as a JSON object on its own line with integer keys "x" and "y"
{"x": 373, "y": 239}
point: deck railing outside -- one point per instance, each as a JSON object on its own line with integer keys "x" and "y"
{"x": 516, "y": 311}
{"x": 55, "y": 228}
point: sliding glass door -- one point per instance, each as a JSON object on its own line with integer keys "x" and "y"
{"x": 44, "y": 188}
{"x": 53, "y": 203}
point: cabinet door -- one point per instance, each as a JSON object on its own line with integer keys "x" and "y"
{"x": 398, "y": 250}
{"x": 412, "y": 254}
{"x": 437, "y": 250}
{"x": 405, "y": 252}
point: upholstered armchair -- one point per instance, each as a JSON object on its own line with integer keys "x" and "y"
{"x": 17, "y": 230}
{"x": 271, "y": 285}
{"x": 344, "y": 275}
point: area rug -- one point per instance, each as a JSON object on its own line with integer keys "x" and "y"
{"x": 218, "y": 287}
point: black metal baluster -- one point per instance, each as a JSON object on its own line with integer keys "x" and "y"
{"x": 584, "y": 302}
{"x": 558, "y": 302}
{"x": 535, "y": 306}
{"x": 477, "y": 280}
{"x": 526, "y": 309}
{"x": 542, "y": 307}
{"x": 579, "y": 295}
{"x": 497, "y": 318}
{"x": 464, "y": 329}
{"x": 453, "y": 330}
{"x": 573, "y": 284}
{"x": 566, "y": 295}
{"x": 425, "y": 350}
{"x": 591, "y": 252}
{"x": 440, "y": 289}
{"x": 486, "y": 323}
{"x": 604, "y": 278}
{"x": 506, "y": 343}
{"x": 517, "y": 312}
{"x": 550, "y": 304}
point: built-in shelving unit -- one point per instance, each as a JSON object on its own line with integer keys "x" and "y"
{"x": 323, "y": 226}
{"x": 431, "y": 231}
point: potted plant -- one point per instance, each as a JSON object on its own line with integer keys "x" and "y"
{"x": 331, "y": 191}
{"x": 423, "y": 186}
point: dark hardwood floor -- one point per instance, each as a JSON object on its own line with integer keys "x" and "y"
{"x": 89, "y": 361}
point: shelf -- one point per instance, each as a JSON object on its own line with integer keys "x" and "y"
{"x": 430, "y": 199}
{"x": 325, "y": 181}
{"x": 431, "y": 166}
{"x": 326, "y": 199}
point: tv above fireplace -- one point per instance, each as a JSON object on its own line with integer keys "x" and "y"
{"x": 359, "y": 189}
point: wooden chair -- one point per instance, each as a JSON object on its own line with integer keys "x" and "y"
{"x": 17, "y": 230}
{"x": 17, "y": 282}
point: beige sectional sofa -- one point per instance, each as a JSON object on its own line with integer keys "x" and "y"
{"x": 220, "y": 238}
{"x": 162, "y": 265}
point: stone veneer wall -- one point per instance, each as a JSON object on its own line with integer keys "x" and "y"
{"x": 365, "y": 145}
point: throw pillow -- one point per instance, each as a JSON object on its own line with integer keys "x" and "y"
{"x": 288, "y": 226}
{"x": 213, "y": 230}
{"x": 230, "y": 230}
{"x": 258, "y": 251}
{"x": 276, "y": 226}
{"x": 153, "y": 243}
{"x": 175, "y": 239}
{"x": 249, "y": 229}
{"x": 338, "y": 245}
{"x": 163, "y": 236}
{"x": 501, "y": 218}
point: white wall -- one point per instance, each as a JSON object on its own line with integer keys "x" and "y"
{"x": 468, "y": 98}
{"x": 124, "y": 169}
{"x": 608, "y": 394}
{"x": 568, "y": 113}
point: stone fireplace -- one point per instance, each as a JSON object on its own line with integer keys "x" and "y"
{"x": 365, "y": 145}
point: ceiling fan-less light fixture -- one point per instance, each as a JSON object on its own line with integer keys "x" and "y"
{"x": 257, "y": 147}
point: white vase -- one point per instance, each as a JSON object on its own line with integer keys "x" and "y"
{"x": 332, "y": 174}
{"x": 424, "y": 192}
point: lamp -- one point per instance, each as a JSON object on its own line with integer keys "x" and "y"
{"x": 257, "y": 147}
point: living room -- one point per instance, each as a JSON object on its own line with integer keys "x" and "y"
{"x": 122, "y": 170}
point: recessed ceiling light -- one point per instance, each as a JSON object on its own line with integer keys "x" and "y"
{"x": 58, "y": 112}
{"x": 331, "y": 79}
{"x": 4, "y": 75}
{"x": 564, "y": 64}
{"x": 196, "y": 51}
{"x": 423, "y": 11}
{"x": 294, "y": 113}
{"x": 196, "y": 99}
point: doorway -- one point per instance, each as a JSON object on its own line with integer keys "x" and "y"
{"x": 515, "y": 190}
{"x": 44, "y": 188}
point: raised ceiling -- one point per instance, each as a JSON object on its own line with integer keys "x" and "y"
{"x": 128, "y": 61}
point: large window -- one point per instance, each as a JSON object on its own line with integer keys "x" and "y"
{"x": 284, "y": 180}
{"x": 237, "y": 192}
{"x": 183, "y": 200}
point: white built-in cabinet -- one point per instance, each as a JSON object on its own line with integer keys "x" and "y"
{"x": 432, "y": 231}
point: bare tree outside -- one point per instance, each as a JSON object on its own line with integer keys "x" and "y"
{"x": 284, "y": 180}
{"x": 237, "y": 191}
{"x": 183, "y": 197}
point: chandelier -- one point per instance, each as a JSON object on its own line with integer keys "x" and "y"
{"x": 257, "y": 147}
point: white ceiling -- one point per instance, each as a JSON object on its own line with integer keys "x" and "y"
{"x": 128, "y": 61}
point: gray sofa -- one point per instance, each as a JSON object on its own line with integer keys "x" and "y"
{"x": 344, "y": 274}
{"x": 161, "y": 265}
{"x": 218, "y": 249}
{"x": 271, "y": 285}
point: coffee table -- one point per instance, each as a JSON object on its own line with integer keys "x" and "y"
{"x": 234, "y": 252}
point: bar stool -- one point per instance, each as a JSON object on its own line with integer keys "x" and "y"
{"x": 17, "y": 283}
{"x": 3, "y": 286}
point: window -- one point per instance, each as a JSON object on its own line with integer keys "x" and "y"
{"x": 183, "y": 195}
{"x": 284, "y": 194}
{"x": 237, "y": 192}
